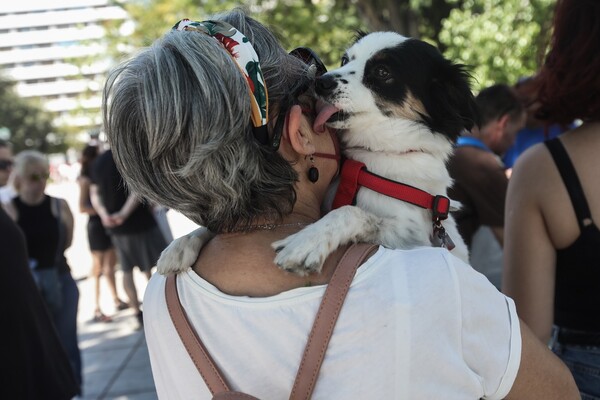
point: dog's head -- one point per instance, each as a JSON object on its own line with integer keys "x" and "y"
{"x": 386, "y": 76}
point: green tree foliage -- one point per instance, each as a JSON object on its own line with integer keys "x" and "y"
{"x": 28, "y": 125}
{"x": 502, "y": 40}
{"x": 328, "y": 26}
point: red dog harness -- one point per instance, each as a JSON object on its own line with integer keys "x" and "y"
{"x": 354, "y": 175}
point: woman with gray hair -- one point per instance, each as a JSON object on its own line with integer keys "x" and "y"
{"x": 213, "y": 120}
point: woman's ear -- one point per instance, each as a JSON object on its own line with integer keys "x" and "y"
{"x": 300, "y": 137}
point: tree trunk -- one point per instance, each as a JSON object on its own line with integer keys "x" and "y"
{"x": 389, "y": 15}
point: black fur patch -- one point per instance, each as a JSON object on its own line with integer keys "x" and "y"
{"x": 441, "y": 86}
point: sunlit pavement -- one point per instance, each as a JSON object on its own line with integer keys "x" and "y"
{"x": 115, "y": 356}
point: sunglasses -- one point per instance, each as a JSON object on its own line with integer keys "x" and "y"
{"x": 5, "y": 165}
{"x": 38, "y": 177}
{"x": 310, "y": 58}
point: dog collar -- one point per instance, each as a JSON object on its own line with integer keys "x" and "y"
{"x": 354, "y": 175}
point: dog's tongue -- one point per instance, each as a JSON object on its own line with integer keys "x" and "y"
{"x": 324, "y": 112}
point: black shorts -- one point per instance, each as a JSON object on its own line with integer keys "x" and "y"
{"x": 98, "y": 238}
{"x": 141, "y": 249}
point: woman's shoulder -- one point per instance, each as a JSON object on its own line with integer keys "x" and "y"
{"x": 425, "y": 255}
{"x": 421, "y": 265}
{"x": 58, "y": 205}
{"x": 155, "y": 286}
{"x": 533, "y": 170}
{"x": 84, "y": 180}
{"x": 431, "y": 267}
{"x": 533, "y": 156}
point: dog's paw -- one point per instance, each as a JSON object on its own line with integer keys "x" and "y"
{"x": 302, "y": 253}
{"x": 181, "y": 254}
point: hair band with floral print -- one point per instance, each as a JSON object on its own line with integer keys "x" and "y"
{"x": 245, "y": 57}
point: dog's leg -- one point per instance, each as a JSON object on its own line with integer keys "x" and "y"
{"x": 305, "y": 252}
{"x": 181, "y": 254}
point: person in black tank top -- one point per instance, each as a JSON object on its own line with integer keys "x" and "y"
{"x": 41, "y": 230}
{"x": 47, "y": 224}
{"x": 552, "y": 262}
{"x": 36, "y": 367}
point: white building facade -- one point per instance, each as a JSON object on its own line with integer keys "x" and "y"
{"x": 47, "y": 48}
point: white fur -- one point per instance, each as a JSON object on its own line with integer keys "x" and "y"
{"x": 182, "y": 253}
{"x": 395, "y": 148}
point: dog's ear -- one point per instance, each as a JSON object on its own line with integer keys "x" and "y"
{"x": 452, "y": 105}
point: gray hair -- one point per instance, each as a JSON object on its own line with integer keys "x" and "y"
{"x": 177, "y": 116}
{"x": 23, "y": 161}
{"x": 27, "y": 158}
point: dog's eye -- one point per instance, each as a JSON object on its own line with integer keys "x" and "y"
{"x": 382, "y": 72}
{"x": 345, "y": 60}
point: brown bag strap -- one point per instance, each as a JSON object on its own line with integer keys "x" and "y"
{"x": 326, "y": 318}
{"x": 192, "y": 343}
{"x": 318, "y": 340}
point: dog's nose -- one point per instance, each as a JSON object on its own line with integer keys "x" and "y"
{"x": 325, "y": 84}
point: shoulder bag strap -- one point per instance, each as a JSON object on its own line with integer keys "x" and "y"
{"x": 192, "y": 343}
{"x": 318, "y": 340}
{"x": 322, "y": 329}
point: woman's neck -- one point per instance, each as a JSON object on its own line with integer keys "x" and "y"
{"x": 241, "y": 263}
{"x": 32, "y": 200}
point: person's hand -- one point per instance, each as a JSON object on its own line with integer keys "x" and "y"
{"x": 117, "y": 219}
{"x": 109, "y": 221}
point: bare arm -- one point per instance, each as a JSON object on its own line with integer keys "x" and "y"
{"x": 498, "y": 232}
{"x": 84, "y": 196}
{"x": 529, "y": 254}
{"x": 98, "y": 205}
{"x": 541, "y": 374}
{"x": 67, "y": 219}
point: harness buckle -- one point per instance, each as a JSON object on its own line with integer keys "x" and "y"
{"x": 440, "y": 207}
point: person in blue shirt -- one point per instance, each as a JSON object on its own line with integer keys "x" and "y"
{"x": 535, "y": 131}
{"x": 480, "y": 180}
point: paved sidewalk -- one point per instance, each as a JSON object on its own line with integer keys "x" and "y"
{"x": 114, "y": 354}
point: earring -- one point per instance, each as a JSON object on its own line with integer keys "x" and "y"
{"x": 313, "y": 172}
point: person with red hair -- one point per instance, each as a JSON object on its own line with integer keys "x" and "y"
{"x": 551, "y": 264}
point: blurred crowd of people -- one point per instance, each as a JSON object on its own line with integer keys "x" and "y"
{"x": 525, "y": 176}
{"x": 122, "y": 229}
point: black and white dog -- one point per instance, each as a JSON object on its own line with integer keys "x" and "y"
{"x": 399, "y": 106}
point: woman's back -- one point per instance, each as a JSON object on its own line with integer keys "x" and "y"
{"x": 582, "y": 146}
{"x": 541, "y": 226}
{"x": 423, "y": 338}
{"x": 569, "y": 201}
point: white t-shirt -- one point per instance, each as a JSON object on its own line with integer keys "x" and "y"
{"x": 417, "y": 324}
{"x": 7, "y": 193}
